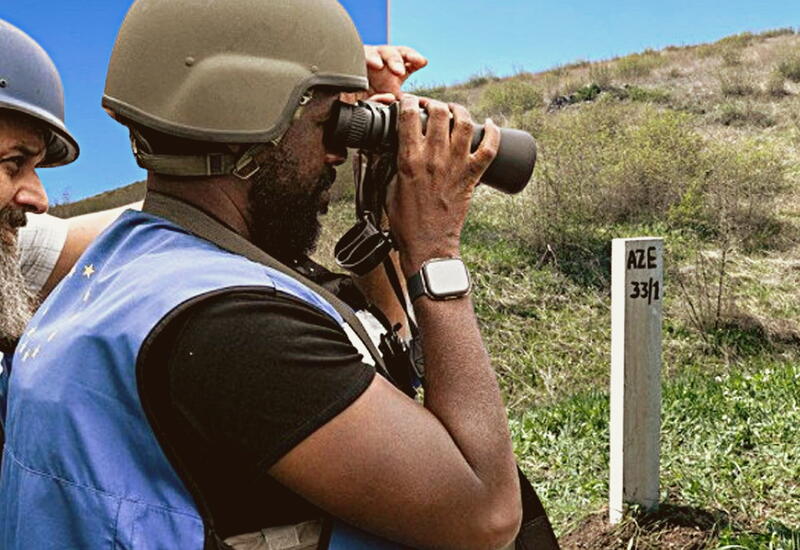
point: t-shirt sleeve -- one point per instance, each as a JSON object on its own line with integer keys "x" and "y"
{"x": 258, "y": 373}
{"x": 40, "y": 245}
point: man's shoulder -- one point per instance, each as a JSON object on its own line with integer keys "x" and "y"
{"x": 40, "y": 244}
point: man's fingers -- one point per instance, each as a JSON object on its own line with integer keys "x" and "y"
{"x": 409, "y": 131}
{"x": 374, "y": 59}
{"x": 487, "y": 150}
{"x": 393, "y": 59}
{"x": 386, "y": 98}
{"x": 461, "y": 134}
{"x": 437, "y": 132}
{"x": 413, "y": 59}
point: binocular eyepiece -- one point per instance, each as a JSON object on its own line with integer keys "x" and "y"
{"x": 372, "y": 127}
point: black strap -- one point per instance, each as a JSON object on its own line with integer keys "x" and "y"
{"x": 204, "y": 226}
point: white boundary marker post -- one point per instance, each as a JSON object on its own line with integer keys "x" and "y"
{"x": 637, "y": 292}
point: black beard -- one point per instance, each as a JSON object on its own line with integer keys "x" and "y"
{"x": 285, "y": 216}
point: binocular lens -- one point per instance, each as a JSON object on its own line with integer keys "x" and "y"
{"x": 373, "y": 127}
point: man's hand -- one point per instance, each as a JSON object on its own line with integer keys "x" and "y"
{"x": 388, "y": 67}
{"x": 437, "y": 175}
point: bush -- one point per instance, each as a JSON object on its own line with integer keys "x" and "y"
{"x": 479, "y": 79}
{"x": 739, "y": 41}
{"x": 790, "y": 68}
{"x": 639, "y": 64}
{"x": 448, "y": 94}
{"x": 772, "y": 33}
{"x": 735, "y": 199}
{"x": 601, "y": 74}
{"x": 776, "y": 85}
{"x": 738, "y": 115}
{"x": 736, "y": 84}
{"x": 645, "y": 95}
{"x": 731, "y": 57}
{"x": 609, "y": 163}
{"x": 509, "y": 97}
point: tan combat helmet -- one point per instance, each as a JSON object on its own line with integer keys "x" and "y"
{"x": 229, "y": 71}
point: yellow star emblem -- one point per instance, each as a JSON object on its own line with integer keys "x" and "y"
{"x": 88, "y": 271}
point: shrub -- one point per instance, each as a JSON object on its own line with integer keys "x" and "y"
{"x": 447, "y": 94}
{"x": 736, "y": 84}
{"x": 738, "y": 194}
{"x": 731, "y": 57}
{"x": 605, "y": 163}
{"x": 482, "y": 77}
{"x": 790, "y": 68}
{"x": 776, "y": 85}
{"x": 585, "y": 93}
{"x": 739, "y": 115}
{"x": 509, "y": 97}
{"x": 609, "y": 163}
{"x": 531, "y": 121}
{"x": 739, "y": 41}
{"x": 772, "y": 33}
{"x": 645, "y": 95}
{"x": 639, "y": 64}
{"x": 706, "y": 50}
{"x": 601, "y": 74}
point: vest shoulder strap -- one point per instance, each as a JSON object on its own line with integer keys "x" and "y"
{"x": 205, "y": 227}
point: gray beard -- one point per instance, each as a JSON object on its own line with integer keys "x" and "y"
{"x": 16, "y": 300}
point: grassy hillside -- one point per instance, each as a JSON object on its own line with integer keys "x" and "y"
{"x": 700, "y": 145}
{"x": 104, "y": 201}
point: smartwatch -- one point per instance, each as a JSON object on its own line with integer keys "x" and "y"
{"x": 440, "y": 279}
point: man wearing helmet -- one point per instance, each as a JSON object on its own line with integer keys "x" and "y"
{"x": 175, "y": 392}
{"x": 32, "y": 135}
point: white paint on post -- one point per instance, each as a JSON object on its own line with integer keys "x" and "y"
{"x": 637, "y": 292}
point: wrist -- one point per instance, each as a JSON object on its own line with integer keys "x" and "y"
{"x": 412, "y": 263}
{"x": 440, "y": 279}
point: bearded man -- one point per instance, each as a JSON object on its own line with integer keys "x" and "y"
{"x": 32, "y": 135}
{"x": 187, "y": 387}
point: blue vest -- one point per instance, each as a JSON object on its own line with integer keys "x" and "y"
{"x": 81, "y": 466}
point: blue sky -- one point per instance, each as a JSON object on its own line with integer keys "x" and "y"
{"x": 460, "y": 38}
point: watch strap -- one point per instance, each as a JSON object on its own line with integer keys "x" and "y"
{"x": 415, "y": 286}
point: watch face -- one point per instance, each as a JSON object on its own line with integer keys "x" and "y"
{"x": 445, "y": 278}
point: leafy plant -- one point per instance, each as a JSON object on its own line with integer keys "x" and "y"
{"x": 509, "y": 97}
{"x": 639, "y": 64}
{"x": 790, "y": 68}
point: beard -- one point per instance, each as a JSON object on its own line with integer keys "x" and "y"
{"x": 285, "y": 211}
{"x": 17, "y": 303}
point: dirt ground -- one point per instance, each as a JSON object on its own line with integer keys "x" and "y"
{"x": 670, "y": 528}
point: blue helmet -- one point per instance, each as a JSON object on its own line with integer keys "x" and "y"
{"x": 29, "y": 84}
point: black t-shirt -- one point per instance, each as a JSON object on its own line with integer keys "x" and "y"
{"x": 233, "y": 383}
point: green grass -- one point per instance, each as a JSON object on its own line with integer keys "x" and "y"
{"x": 730, "y": 444}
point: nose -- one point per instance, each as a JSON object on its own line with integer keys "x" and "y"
{"x": 31, "y": 194}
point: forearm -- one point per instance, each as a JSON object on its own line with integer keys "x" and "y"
{"x": 463, "y": 393}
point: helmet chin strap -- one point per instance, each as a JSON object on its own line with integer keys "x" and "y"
{"x": 243, "y": 166}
